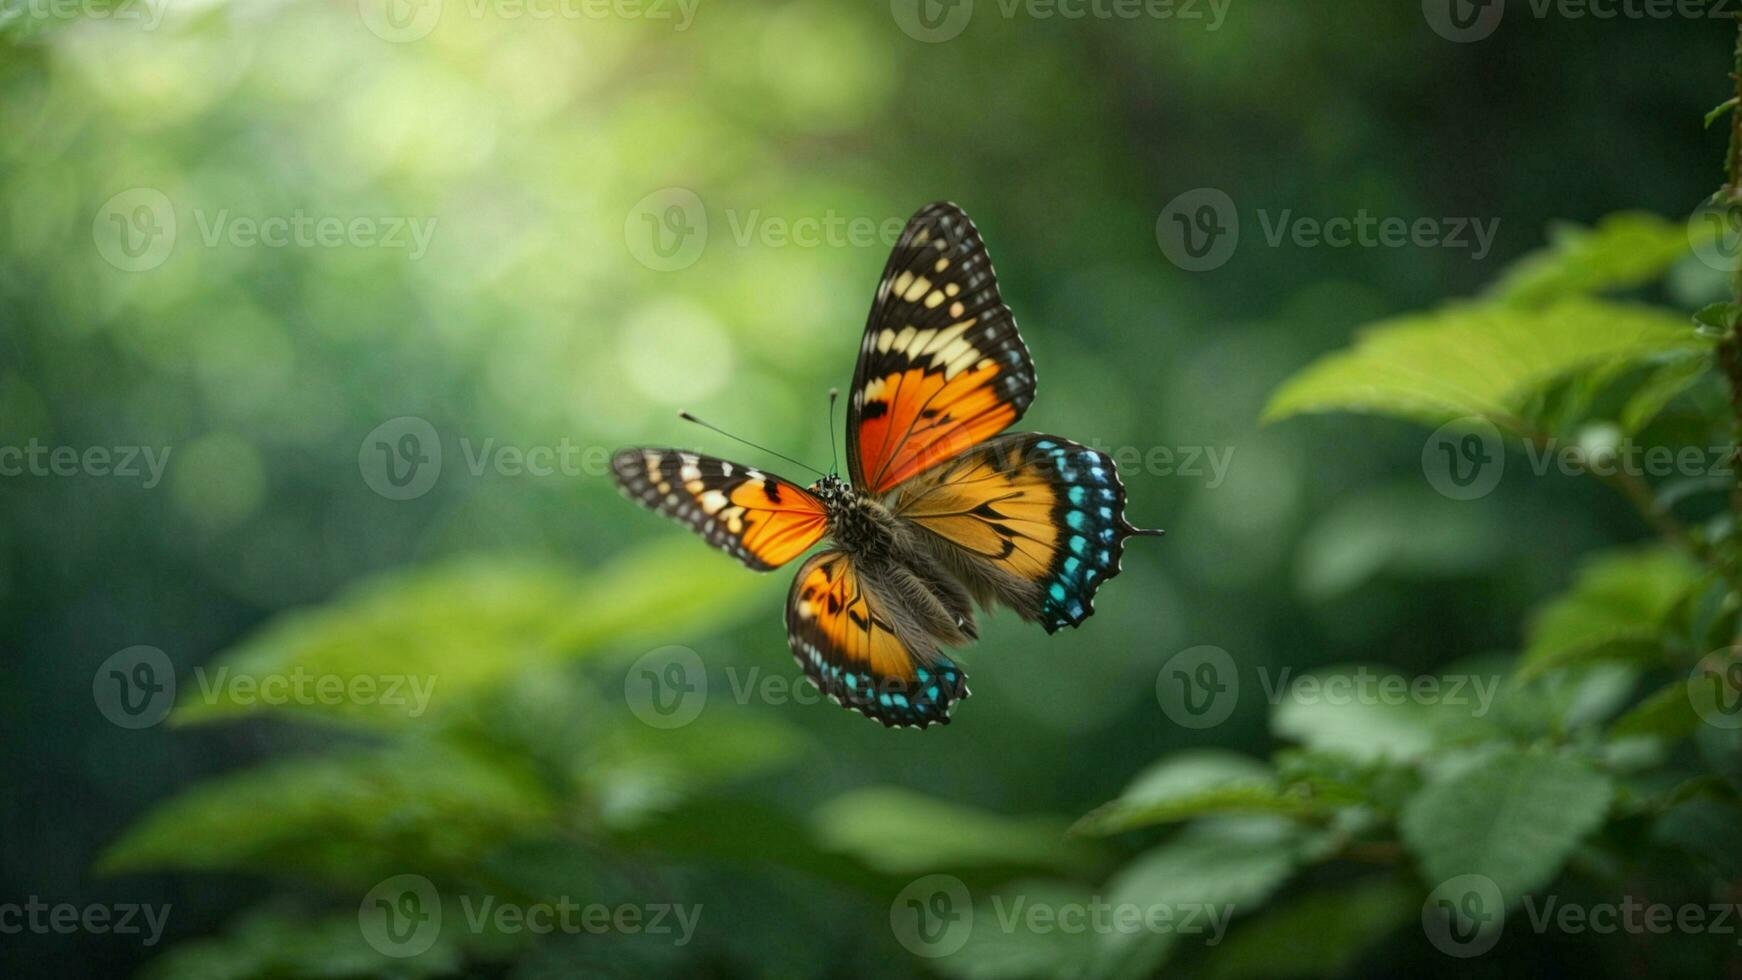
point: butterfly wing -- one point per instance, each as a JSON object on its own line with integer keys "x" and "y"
{"x": 941, "y": 367}
{"x": 757, "y": 518}
{"x": 1033, "y": 521}
{"x": 845, "y": 636}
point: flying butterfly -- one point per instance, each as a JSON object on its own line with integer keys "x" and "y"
{"x": 941, "y": 511}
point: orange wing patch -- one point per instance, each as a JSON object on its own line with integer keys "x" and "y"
{"x": 840, "y": 631}
{"x": 830, "y": 599}
{"x": 941, "y": 367}
{"x": 757, "y": 518}
{"x": 1044, "y": 511}
{"x": 992, "y": 504}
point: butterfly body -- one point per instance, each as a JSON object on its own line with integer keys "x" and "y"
{"x": 940, "y": 513}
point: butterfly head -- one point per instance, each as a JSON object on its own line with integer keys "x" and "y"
{"x": 832, "y": 490}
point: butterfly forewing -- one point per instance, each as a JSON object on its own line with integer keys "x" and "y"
{"x": 941, "y": 367}
{"x": 756, "y": 517}
{"x": 844, "y": 636}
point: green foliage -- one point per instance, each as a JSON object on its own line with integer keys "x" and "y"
{"x": 459, "y": 628}
{"x": 1618, "y": 609}
{"x": 1490, "y": 360}
{"x": 1624, "y": 250}
{"x": 351, "y": 818}
{"x": 1513, "y": 818}
{"x": 1191, "y": 785}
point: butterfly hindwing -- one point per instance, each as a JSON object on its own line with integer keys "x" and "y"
{"x": 845, "y": 637}
{"x": 1033, "y": 521}
{"x": 756, "y": 517}
{"x": 941, "y": 367}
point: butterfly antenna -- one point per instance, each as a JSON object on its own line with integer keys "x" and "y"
{"x": 834, "y": 452}
{"x": 687, "y": 417}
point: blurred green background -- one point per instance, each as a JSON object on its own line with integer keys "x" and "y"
{"x": 536, "y": 155}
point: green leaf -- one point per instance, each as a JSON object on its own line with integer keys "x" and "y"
{"x": 1667, "y": 713}
{"x": 1480, "y": 360}
{"x": 1616, "y": 610}
{"x": 455, "y": 629}
{"x": 1514, "y": 819}
{"x": 900, "y": 832}
{"x": 1720, "y": 110}
{"x": 1624, "y": 250}
{"x": 1659, "y": 388}
{"x": 1215, "y": 869}
{"x": 1320, "y": 934}
{"x": 353, "y": 818}
{"x": 1194, "y": 784}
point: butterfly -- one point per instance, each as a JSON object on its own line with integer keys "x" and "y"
{"x": 943, "y": 510}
